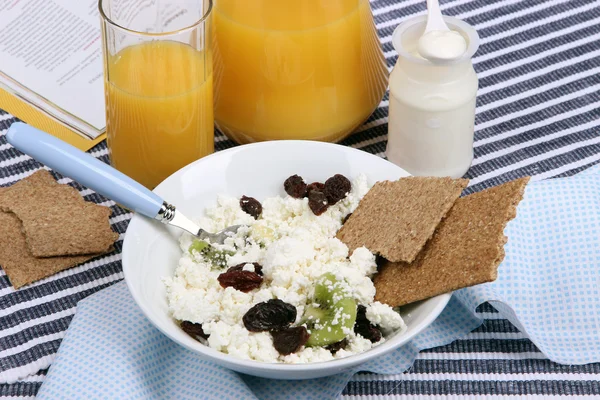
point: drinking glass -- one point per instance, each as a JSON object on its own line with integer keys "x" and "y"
{"x": 158, "y": 85}
{"x": 303, "y": 69}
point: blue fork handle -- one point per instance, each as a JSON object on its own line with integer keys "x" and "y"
{"x": 83, "y": 168}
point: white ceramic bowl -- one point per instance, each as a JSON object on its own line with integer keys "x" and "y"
{"x": 151, "y": 250}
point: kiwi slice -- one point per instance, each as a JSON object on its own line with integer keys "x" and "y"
{"x": 336, "y": 312}
{"x": 216, "y": 257}
{"x": 198, "y": 245}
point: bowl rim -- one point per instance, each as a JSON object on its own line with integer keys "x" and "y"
{"x": 338, "y": 364}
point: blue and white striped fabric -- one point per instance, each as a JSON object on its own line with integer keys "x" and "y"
{"x": 537, "y": 114}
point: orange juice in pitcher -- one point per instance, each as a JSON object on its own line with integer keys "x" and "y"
{"x": 310, "y": 69}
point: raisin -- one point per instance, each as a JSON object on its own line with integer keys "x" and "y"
{"x": 334, "y": 347}
{"x": 346, "y": 218}
{"x": 317, "y": 201}
{"x": 361, "y": 313}
{"x": 241, "y": 280}
{"x": 240, "y": 267}
{"x": 336, "y": 188}
{"x": 269, "y": 316}
{"x": 251, "y": 206}
{"x": 295, "y": 186}
{"x": 363, "y": 326}
{"x": 315, "y": 186}
{"x": 192, "y": 329}
{"x": 290, "y": 340}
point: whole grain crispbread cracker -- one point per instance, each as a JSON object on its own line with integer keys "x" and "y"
{"x": 57, "y": 221}
{"x": 20, "y": 266}
{"x": 395, "y": 219}
{"x": 465, "y": 250}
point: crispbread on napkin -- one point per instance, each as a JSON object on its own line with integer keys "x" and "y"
{"x": 56, "y": 220}
{"x": 465, "y": 249}
{"x": 395, "y": 219}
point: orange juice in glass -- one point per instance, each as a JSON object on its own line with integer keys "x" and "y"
{"x": 158, "y": 86}
{"x": 309, "y": 69}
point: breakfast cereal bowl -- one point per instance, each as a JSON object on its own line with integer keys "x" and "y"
{"x": 151, "y": 250}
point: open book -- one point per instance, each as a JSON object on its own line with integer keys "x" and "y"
{"x": 51, "y": 57}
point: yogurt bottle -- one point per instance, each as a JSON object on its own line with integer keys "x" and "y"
{"x": 432, "y": 104}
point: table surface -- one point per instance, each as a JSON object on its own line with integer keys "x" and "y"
{"x": 537, "y": 114}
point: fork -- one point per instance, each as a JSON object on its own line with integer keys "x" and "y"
{"x": 102, "y": 178}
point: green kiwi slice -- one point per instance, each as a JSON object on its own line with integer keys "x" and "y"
{"x": 333, "y": 311}
{"x": 216, "y": 257}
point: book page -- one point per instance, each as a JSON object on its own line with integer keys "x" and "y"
{"x": 53, "y": 48}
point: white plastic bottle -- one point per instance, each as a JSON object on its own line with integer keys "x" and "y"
{"x": 432, "y": 105}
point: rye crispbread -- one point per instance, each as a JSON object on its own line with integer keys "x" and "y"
{"x": 56, "y": 219}
{"x": 20, "y": 266}
{"x": 465, "y": 250}
{"x": 395, "y": 219}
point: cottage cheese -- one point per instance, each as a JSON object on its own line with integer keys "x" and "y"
{"x": 295, "y": 248}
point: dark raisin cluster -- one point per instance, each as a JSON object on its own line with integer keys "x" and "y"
{"x": 241, "y": 280}
{"x": 269, "y": 315}
{"x": 318, "y": 186}
{"x": 317, "y": 201}
{"x": 192, "y": 329}
{"x": 240, "y": 267}
{"x": 290, "y": 340}
{"x": 276, "y": 316}
{"x": 251, "y": 206}
{"x": 337, "y": 188}
{"x": 363, "y": 326}
{"x": 295, "y": 186}
{"x": 335, "y": 347}
{"x": 320, "y": 195}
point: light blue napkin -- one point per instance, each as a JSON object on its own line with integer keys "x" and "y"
{"x": 547, "y": 286}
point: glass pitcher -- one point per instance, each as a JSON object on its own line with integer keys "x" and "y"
{"x": 301, "y": 69}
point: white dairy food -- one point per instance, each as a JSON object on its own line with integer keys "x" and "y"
{"x": 295, "y": 248}
{"x": 442, "y": 45}
{"x": 384, "y": 316}
{"x": 432, "y": 105}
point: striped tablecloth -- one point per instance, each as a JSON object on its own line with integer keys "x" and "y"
{"x": 537, "y": 114}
